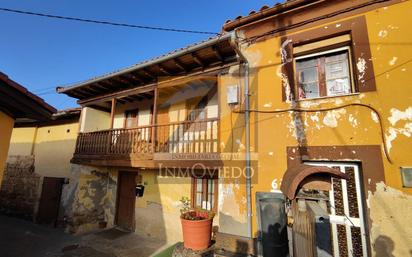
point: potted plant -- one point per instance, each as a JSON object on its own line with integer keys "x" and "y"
{"x": 196, "y": 226}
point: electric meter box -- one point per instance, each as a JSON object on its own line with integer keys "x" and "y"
{"x": 232, "y": 94}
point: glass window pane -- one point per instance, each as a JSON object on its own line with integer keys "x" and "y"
{"x": 198, "y": 199}
{"x": 338, "y": 86}
{"x": 337, "y": 74}
{"x": 308, "y": 75}
{"x": 308, "y": 78}
{"x": 306, "y": 63}
{"x": 210, "y": 186}
{"x": 211, "y": 193}
{"x": 309, "y": 90}
{"x": 199, "y": 185}
{"x": 337, "y": 57}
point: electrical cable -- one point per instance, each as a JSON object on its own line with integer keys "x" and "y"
{"x": 300, "y": 110}
{"x": 46, "y": 15}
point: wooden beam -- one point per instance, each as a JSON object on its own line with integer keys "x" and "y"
{"x": 180, "y": 65}
{"x": 101, "y": 108}
{"x": 134, "y": 77}
{"x": 112, "y": 112}
{"x": 197, "y": 60}
{"x": 162, "y": 69}
{"x": 147, "y": 74}
{"x": 217, "y": 53}
{"x": 119, "y": 94}
{"x": 121, "y": 101}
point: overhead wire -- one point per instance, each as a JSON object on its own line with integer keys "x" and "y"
{"x": 301, "y": 110}
{"x": 103, "y": 22}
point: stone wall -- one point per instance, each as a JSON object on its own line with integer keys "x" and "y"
{"x": 19, "y": 192}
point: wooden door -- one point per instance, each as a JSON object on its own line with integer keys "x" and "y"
{"x": 163, "y": 130}
{"x": 126, "y": 200}
{"x": 50, "y": 201}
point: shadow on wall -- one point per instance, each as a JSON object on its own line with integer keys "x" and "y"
{"x": 150, "y": 210}
{"x": 384, "y": 246}
{"x": 229, "y": 225}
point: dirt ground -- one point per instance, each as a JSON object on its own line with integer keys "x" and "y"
{"x": 21, "y": 238}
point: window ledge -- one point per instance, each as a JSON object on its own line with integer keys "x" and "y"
{"x": 328, "y": 97}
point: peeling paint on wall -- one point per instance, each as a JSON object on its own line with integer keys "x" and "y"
{"x": 393, "y": 61}
{"x": 361, "y": 66}
{"x": 94, "y": 200}
{"x": 394, "y": 131}
{"x": 331, "y": 118}
{"x": 391, "y": 213}
{"x": 283, "y": 77}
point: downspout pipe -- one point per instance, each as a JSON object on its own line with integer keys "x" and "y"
{"x": 245, "y": 65}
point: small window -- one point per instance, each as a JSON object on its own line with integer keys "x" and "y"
{"x": 204, "y": 193}
{"x": 324, "y": 74}
{"x": 131, "y": 118}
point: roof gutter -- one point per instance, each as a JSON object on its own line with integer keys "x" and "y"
{"x": 190, "y": 49}
{"x": 245, "y": 64}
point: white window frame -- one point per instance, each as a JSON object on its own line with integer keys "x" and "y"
{"x": 314, "y": 55}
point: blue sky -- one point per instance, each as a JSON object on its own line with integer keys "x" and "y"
{"x": 42, "y": 53}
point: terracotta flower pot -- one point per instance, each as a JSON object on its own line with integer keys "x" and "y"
{"x": 197, "y": 233}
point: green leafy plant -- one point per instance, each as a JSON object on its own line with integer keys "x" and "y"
{"x": 189, "y": 213}
{"x": 185, "y": 204}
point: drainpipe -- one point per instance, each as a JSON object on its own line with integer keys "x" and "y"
{"x": 245, "y": 64}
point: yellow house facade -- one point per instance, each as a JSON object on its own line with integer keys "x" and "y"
{"x": 7, "y": 124}
{"x": 17, "y": 103}
{"x": 367, "y": 127}
{"x": 305, "y": 111}
{"x": 39, "y": 162}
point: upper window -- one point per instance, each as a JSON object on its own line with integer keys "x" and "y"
{"x": 324, "y": 74}
{"x": 131, "y": 118}
{"x": 346, "y": 53}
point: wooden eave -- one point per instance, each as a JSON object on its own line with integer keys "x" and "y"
{"x": 215, "y": 52}
{"x": 19, "y": 103}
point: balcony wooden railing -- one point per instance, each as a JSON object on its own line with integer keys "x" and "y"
{"x": 179, "y": 137}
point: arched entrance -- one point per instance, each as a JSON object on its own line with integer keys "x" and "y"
{"x": 325, "y": 214}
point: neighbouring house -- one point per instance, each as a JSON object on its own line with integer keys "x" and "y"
{"x": 17, "y": 104}
{"x": 309, "y": 100}
{"x": 37, "y": 183}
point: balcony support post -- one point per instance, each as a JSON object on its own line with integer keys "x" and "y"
{"x": 154, "y": 116}
{"x": 113, "y": 110}
{"x": 109, "y": 135}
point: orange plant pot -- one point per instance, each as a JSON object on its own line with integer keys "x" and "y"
{"x": 196, "y": 233}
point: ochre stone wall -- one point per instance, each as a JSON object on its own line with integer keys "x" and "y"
{"x": 19, "y": 191}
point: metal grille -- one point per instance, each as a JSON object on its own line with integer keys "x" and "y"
{"x": 342, "y": 241}
{"x": 352, "y": 195}
{"x": 347, "y": 219}
{"x": 356, "y": 241}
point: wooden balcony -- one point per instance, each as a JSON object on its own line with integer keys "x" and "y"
{"x": 139, "y": 147}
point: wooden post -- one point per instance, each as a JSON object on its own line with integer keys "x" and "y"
{"x": 109, "y": 135}
{"x": 154, "y": 118}
{"x": 114, "y": 102}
